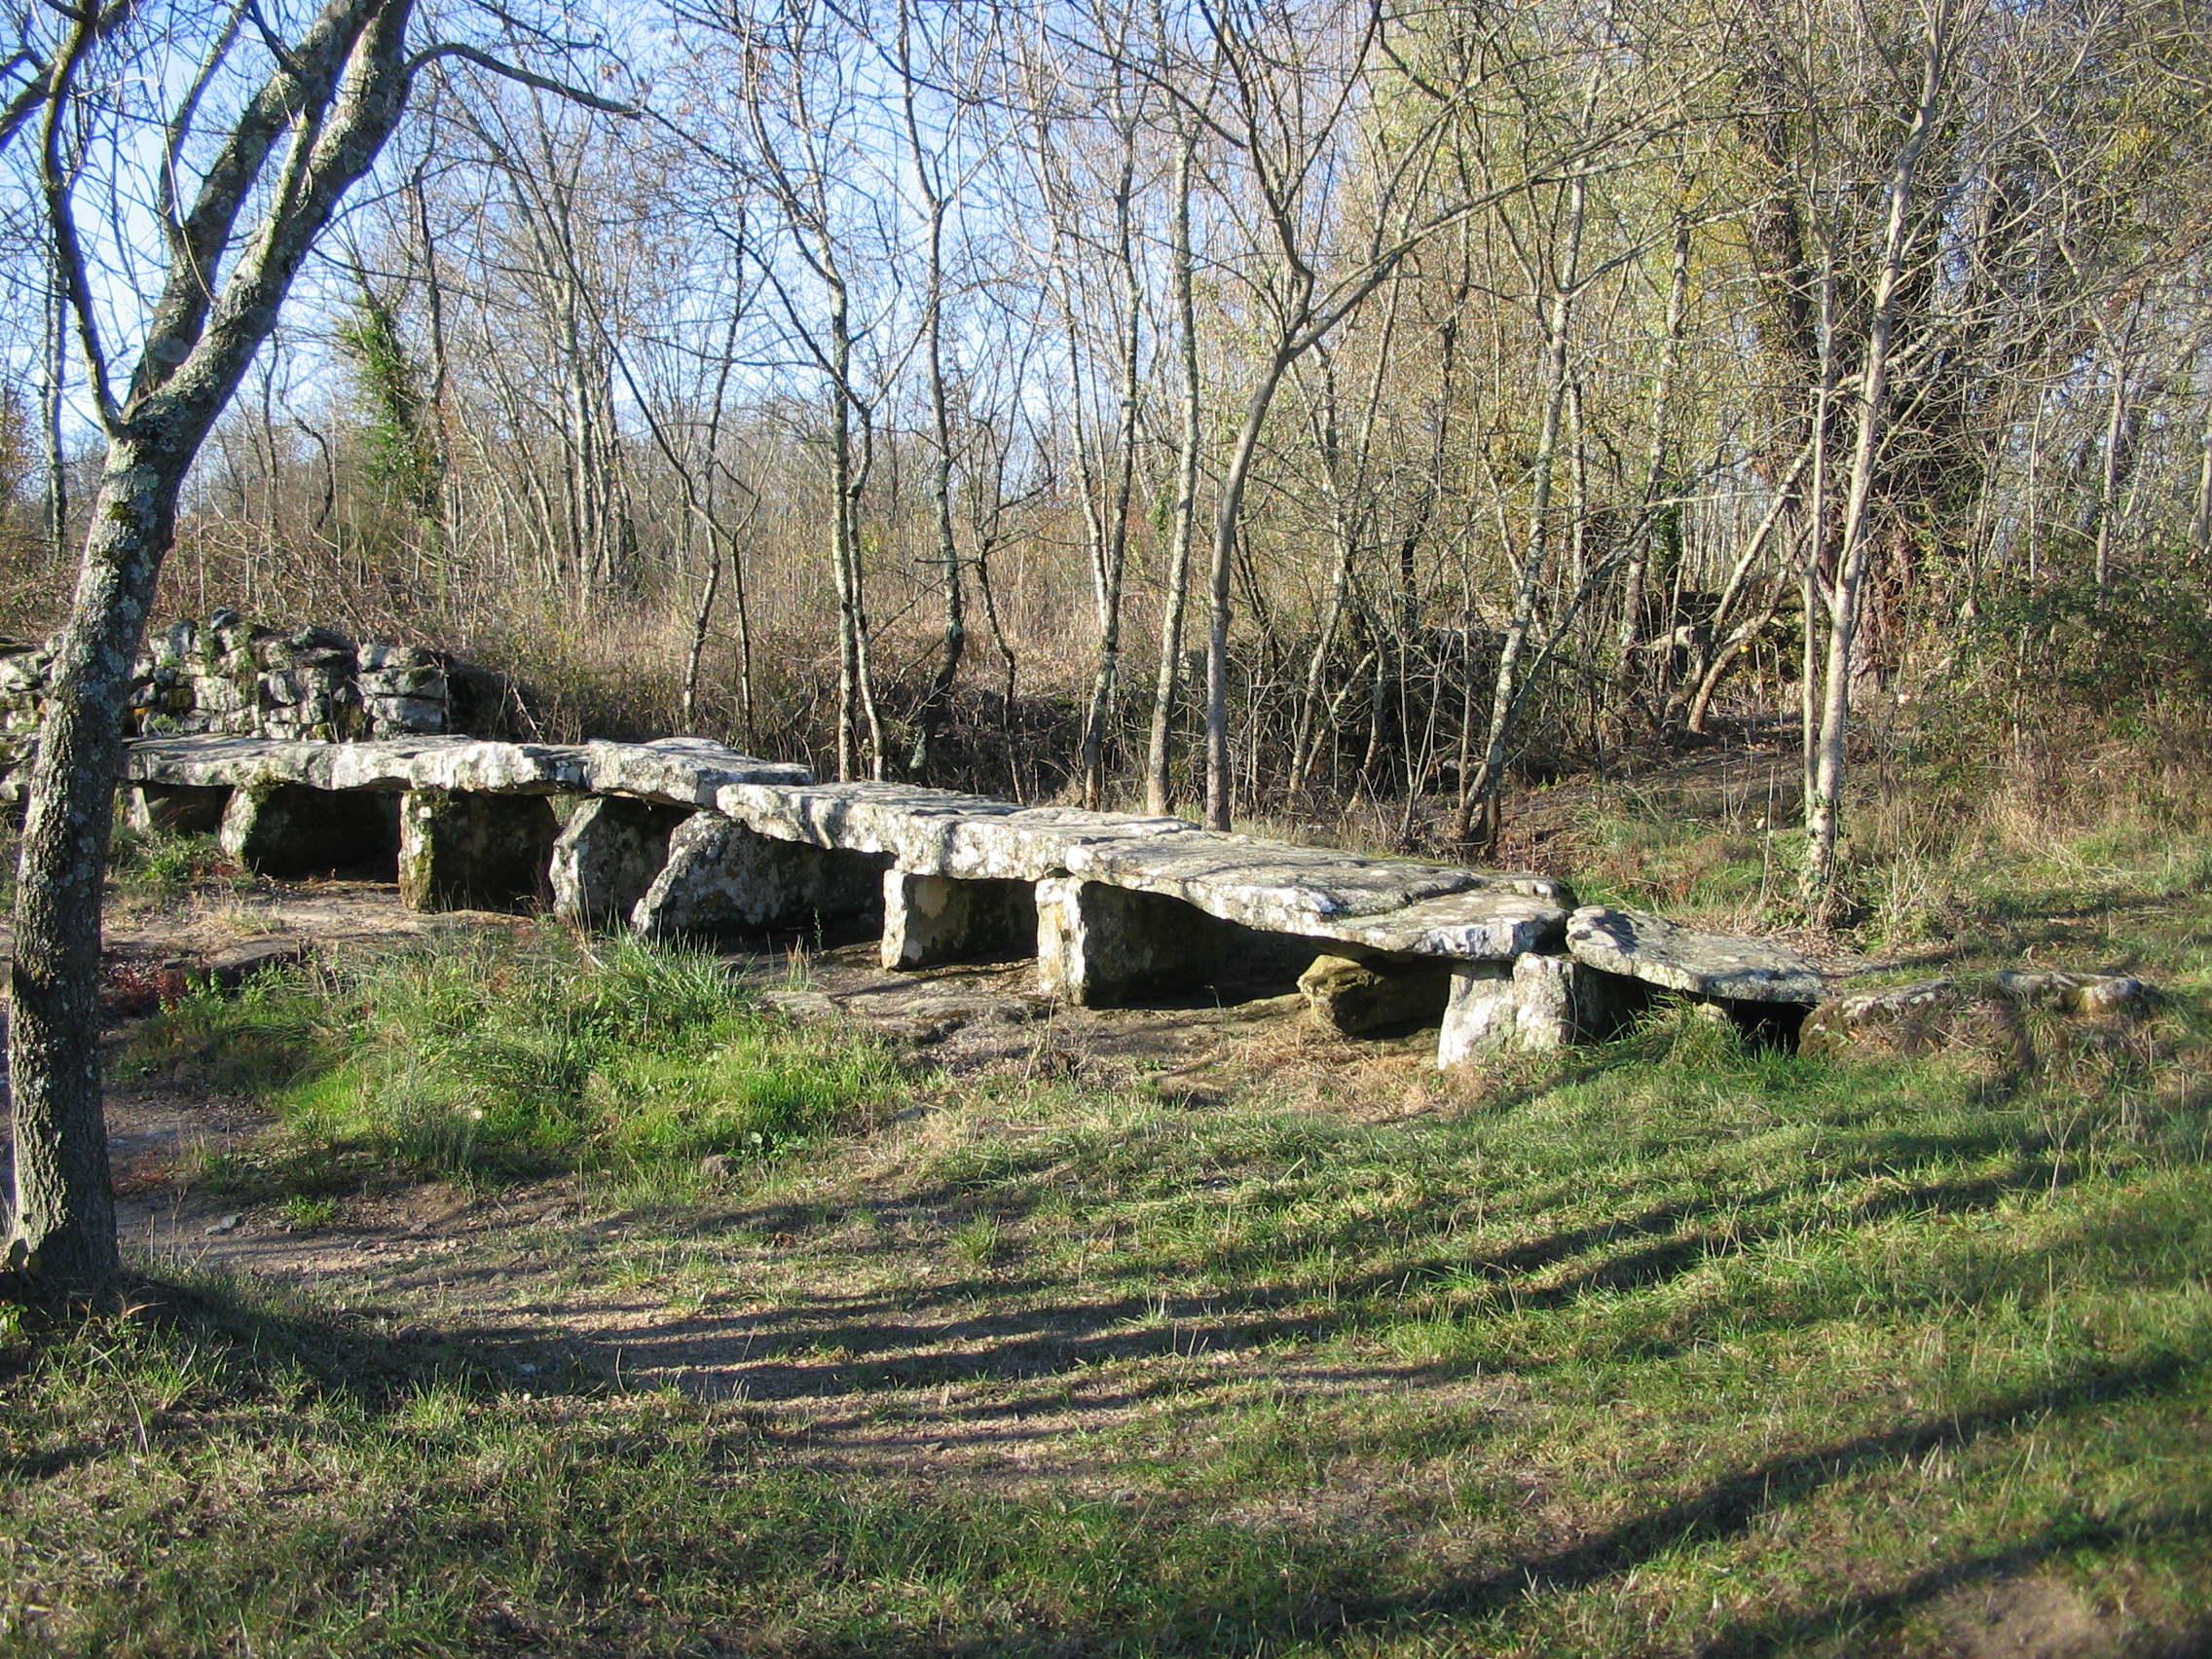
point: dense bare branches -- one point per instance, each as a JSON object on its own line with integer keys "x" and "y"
{"x": 1515, "y": 363}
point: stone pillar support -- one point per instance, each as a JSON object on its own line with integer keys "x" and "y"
{"x": 932, "y": 920}
{"x": 1098, "y": 945}
{"x": 1534, "y": 1002}
{"x": 607, "y": 857}
{"x": 465, "y": 850}
{"x": 722, "y": 878}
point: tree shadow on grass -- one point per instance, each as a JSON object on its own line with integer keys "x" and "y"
{"x": 1499, "y": 1597}
{"x": 1859, "y": 1617}
{"x": 262, "y": 1329}
{"x": 245, "y": 1344}
{"x": 1013, "y": 1324}
{"x": 1317, "y": 1595}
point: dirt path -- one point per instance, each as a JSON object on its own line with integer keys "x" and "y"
{"x": 882, "y": 1338}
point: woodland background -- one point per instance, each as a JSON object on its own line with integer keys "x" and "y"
{"x": 914, "y": 389}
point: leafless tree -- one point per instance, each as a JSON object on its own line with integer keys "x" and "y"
{"x": 242, "y": 192}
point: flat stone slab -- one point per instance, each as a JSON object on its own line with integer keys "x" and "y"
{"x": 1649, "y": 948}
{"x": 677, "y": 771}
{"x": 240, "y": 762}
{"x": 1325, "y": 893}
{"x": 680, "y": 771}
{"x": 1483, "y": 924}
{"x": 1391, "y": 907}
{"x": 936, "y": 831}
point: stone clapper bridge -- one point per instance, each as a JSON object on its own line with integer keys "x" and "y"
{"x": 687, "y": 839}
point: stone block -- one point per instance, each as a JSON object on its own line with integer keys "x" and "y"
{"x": 1558, "y": 1001}
{"x": 722, "y": 879}
{"x": 2115, "y": 997}
{"x": 1480, "y": 1015}
{"x": 1535, "y": 1001}
{"x": 1711, "y": 966}
{"x": 1098, "y": 945}
{"x": 464, "y": 850}
{"x": 1374, "y": 993}
{"x": 423, "y": 679}
{"x": 606, "y": 857}
{"x": 212, "y": 695}
{"x": 282, "y": 687}
{"x": 290, "y": 829}
{"x": 928, "y": 919}
{"x": 405, "y": 714}
{"x": 184, "y": 810}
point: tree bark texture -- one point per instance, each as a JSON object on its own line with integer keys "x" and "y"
{"x": 338, "y": 93}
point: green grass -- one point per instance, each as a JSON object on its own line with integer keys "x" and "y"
{"x": 154, "y": 869}
{"x": 1668, "y": 1346}
{"x": 495, "y": 1057}
{"x": 2098, "y": 854}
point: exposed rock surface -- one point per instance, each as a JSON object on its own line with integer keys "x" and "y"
{"x": 1383, "y": 904}
{"x": 724, "y": 878}
{"x": 474, "y": 851}
{"x": 1538, "y": 1001}
{"x": 227, "y": 677}
{"x": 934, "y": 831}
{"x": 1929, "y": 1015}
{"x": 679, "y": 770}
{"x": 2092, "y": 996}
{"x": 1646, "y": 947}
{"x": 1099, "y": 945}
{"x": 606, "y": 858}
{"x": 232, "y": 967}
{"x": 1386, "y": 904}
{"x": 688, "y": 838}
{"x": 1375, "y": 992}
{"x": 1494, "y": 923}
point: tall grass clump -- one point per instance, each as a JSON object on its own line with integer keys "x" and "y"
{"x": 505, "y": 1053}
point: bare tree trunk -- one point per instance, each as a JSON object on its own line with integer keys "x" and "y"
{"x": 2200, "y": 522}
{"x": 1785, "y": 496}
{"x": 928, "y": 717}
{"x": 348, "y": 69}
{"x": 2121, "y": 426}
{"x": 701, "y": 617}
{"x": 1158, "y": 797}
{"x": 1479, "y": 819}
{"x": 54, "y": 391}
{"x": 1114, "y": 548}
{"x": 1655, "y": 469}
{"x": 928, "y": 714}
{"x": 844, "y": 562}
{"x": 1824, "y": 809}
{"x": 1349, "y": 524}
{"x": 1228, "y": 519}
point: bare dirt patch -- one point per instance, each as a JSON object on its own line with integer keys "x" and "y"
{"x": 2036, "y": 1617}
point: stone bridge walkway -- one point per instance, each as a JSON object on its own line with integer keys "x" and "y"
{"x": 687, "y": 839}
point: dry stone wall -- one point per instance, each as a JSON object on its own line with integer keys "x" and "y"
{"x": 226, "y": 676}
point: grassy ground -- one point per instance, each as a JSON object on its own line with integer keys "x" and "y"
{"x": 1670, "y": 1347}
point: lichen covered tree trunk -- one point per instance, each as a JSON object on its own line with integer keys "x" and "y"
{"x": 64, "y": 1223}
{"x": 330, "y": 102}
